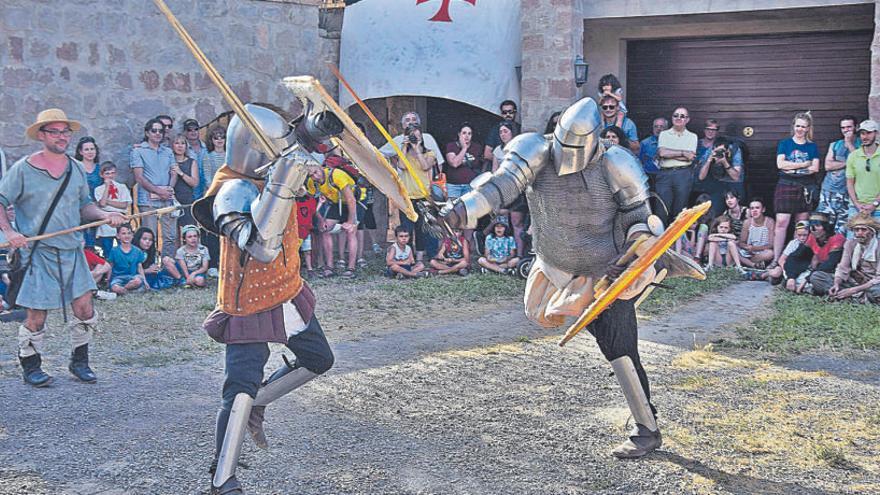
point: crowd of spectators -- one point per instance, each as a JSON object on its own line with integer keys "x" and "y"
{"x": 337, "y": 222}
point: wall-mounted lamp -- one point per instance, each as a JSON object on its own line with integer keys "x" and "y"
{"x": 581, "y": 71}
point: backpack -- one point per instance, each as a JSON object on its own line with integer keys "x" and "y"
{"x": 342, "y": 163}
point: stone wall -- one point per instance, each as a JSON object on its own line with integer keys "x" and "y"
{"x": 112, "y": 65}
{"x": 552, "y": 33}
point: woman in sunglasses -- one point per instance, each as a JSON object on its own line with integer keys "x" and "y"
{"x": 797, "y": 191}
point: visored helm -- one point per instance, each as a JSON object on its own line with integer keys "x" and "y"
{"x": 576, "y": 137}
{"x": 243, "y": 151}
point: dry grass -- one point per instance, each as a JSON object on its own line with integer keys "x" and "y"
{"x": 753, "y": 413}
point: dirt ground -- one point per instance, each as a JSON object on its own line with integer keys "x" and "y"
{"x": 478, "y": 401}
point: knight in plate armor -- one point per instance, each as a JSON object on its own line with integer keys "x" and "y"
{"x": 261, "y": 297}
{"x": 588, "y": 205}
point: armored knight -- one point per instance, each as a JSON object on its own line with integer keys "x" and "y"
{"x": 588, "y": 205}
{"x": 261, "y": 297}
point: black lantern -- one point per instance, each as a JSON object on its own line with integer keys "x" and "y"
{"x": 581, "y": 71}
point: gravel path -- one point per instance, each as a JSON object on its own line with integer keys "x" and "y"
{"x": 485, "y": 405}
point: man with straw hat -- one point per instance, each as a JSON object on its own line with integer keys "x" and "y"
{"x": 55, "y": 270}
{"x": 857, "y": 275}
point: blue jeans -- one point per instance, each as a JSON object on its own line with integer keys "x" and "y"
{"x": 457, "y": 190}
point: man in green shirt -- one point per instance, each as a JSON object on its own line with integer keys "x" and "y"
{"x": 863, "y": 173}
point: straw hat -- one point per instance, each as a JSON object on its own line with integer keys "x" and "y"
{"x": 865, "y": 220}
{"x": 47, "y": 117}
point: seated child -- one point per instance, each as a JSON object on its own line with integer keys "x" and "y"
{"x": 794, "y": 262}
{"x": 192, "y": 257}
{"x": 127, "y": 274}
{"x": 501, "y": 255}
{"x": 98, "y": 266}
{"x": 399, "y": 260}
{"x": 161, "y": 271}
{"x": 453, "y": 257}
{"x": 723, "y": 249}
{"x": 111, "y": 196}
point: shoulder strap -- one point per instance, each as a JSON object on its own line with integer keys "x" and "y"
{"x": 54, "y": 203}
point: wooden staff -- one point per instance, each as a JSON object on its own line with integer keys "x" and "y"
{"x": 97, "y": 223}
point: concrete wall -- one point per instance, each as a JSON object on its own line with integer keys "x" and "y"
{"x": 113, "y": 64}
{"x": 605, "y": 39}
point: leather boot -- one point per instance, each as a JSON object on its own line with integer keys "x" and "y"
{"x": 641, "y": 441}
{"x": 31, "y": 371}
{"x": 79, "y": 365}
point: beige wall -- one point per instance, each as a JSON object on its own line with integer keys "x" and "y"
{"x": 594, "y": 9}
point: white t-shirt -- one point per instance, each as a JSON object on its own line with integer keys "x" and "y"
{"x": 430, "y": 143}
{"x": 119, "y": 192}
{"x": 669, "y": 139}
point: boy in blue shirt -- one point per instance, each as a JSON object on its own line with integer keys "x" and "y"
{"x": 127, "y": 274}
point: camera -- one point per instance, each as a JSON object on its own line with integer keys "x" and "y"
{"x": 411, "y": 135}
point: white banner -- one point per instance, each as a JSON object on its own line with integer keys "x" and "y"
{"x": 464, "y": 50}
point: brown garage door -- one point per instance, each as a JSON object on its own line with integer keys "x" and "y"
{"x": 754, "y": 81}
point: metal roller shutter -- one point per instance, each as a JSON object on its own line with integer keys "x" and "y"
{"x": 752, "y": 81}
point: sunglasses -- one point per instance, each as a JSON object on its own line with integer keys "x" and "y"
{"x": 679, "y": 116}
{"x": 215, "y": 138}
{"x": 868, "y": 165}
{"x": 56, "y": 132}
{"x": 508, "y": 112}
{"x": 169, "y": 126}
{"x": 191, "y": 128}
{"x": 154, "y": 130}
{"x": 609, "y": 107}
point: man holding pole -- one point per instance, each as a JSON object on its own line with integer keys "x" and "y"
{"x": 49, "y": 192}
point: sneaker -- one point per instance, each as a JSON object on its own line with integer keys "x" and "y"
{"x": 483, "y": 270}
{"x": 361, "y": 263}
{"x": 104, "y": 295}
{"x": 463, "y": 272}
{"x": 340, "y": 263}
{"x": 213, "y": 273}
{"x": 376, "y": 248}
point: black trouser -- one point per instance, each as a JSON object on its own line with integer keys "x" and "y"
{"x": 617, "y": 333}
{"x": 245, "y": 363}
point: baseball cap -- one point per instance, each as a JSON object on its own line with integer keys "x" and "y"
{"x": 803, "y": 224}
{"x": 868, "y": 125}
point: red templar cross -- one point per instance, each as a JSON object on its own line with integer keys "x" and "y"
{"x": 442, "y": 15}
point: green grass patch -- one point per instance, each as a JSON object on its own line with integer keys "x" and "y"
{"x": 799, "y": 323}
{"x": 684, "y": 290}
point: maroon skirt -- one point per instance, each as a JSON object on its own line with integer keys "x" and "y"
{"x": 790, "y": 198}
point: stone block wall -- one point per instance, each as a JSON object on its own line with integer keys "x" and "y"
{"x": 112, "y": 65}
{"x": 552, "y": 33}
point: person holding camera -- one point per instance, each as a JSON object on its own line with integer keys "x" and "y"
{"x": 720, "y": 164}
{"x": 408, "y": 120}
{"x": 722, "y": 161}
{"x": 423, "y": 161}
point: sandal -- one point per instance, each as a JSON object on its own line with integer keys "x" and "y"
{"x": 349, "y": 273}
{"x": 361, "y": 263}
{"x": 325, "y": 272}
